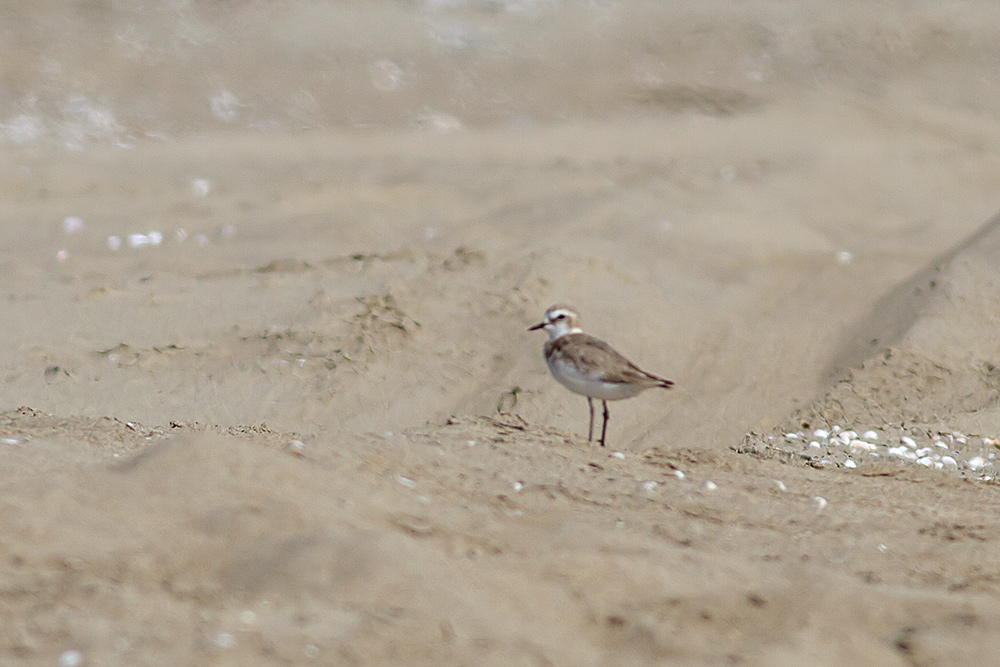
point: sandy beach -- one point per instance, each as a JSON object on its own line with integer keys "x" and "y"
{"x": 268, "y": 393}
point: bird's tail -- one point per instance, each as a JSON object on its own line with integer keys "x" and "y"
{"x": 659, "y": 382}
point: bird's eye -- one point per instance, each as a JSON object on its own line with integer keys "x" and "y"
{"x": 560, "y": 316}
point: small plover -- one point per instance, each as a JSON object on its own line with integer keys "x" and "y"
{"x": 589, "y": 366}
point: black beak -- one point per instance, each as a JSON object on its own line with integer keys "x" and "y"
{"x": 537, "y": 326}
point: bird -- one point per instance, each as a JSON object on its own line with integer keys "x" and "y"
{"x": 587, "y": 365}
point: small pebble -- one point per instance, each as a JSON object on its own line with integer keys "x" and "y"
{"x": 925, "y": 461}
{"x": 923, "y": 451}
{"x": 710, "y": 485}
{"x": 820, "y": 434}
{"x": 861, "y": 444}
{"x": 942, "y": 445}
{"x": 908, "y": 441}
{"x": 792, "y": 436}
{"x": 870, "y": 436}
{"x": 678, "y": 474}
{"x": 976, "y": 462}
{"x": 949, "y": 462}
{"x": 618, "y": 455}
{"x": 850, "y": 464}
{"x": 814, "y": 444}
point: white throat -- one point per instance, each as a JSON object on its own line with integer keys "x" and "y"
{"x": 560, "y": 328}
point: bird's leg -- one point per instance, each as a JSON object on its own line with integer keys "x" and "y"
{"x": 604, "y": 429}
{"x": 590, "y": 432}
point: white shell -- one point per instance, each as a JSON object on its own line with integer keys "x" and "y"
{"x": 908, "y": 441}
{"x": 70, "y": 658}
{"x": 820, "y": 503}
{"x": 976, "y": 462}
{"x": 871, "y": 436}
{"x": 821, "y": 433}
{"x": 850, "y": 464}
{"x": 903, "y": 452}
{"x": 861, "y": 444}
{"x": 138, "y": 240}
{"x": 710, "y": 485}
{"x": 949, "y": 462}
{"x": 72, "y": 224}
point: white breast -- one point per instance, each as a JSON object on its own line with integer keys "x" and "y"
{"x": 589, "y": 384}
